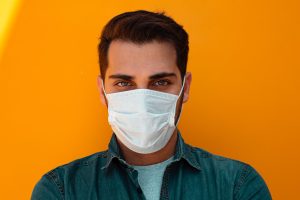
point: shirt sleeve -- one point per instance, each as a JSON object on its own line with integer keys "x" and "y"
{"x": 249, "y": 185}
{"x": 48, "y": 188}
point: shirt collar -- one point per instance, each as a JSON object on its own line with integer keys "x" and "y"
{"x": 183, "y": 151}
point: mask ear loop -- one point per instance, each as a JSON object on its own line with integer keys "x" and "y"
{"x": 182, "y": 87}
{"x": 177, "y": 100}
{"x": 103, "y": 88}
{"x": 108, "y": 107}
{"x": 104, "y": 91}
{"x": 172, "y": 122}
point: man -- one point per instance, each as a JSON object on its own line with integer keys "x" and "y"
{"x": 143, "y": 58}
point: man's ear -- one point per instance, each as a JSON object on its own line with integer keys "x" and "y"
{"x": 187, "y": 85}
{"x": 100, "y": 89}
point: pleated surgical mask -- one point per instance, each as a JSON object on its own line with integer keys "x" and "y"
{"x": 143, "y": 119}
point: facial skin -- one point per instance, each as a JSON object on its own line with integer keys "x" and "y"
{"x": 144, "y": 66}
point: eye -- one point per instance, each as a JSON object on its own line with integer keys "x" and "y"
{"x": 162, "y": 83}
{"x": 123, "y": 84}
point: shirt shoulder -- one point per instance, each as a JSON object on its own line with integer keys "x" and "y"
{"x": 244, "y": 179}
{"x": 210, "y": 161}
{"x": 52, "y": 184}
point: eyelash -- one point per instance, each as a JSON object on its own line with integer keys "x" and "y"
{"x": 165, "y": 81}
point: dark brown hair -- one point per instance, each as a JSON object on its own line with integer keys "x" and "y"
{"x": 140, "y": 27}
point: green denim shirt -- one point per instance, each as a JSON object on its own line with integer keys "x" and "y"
{"x": 193, "y": 174}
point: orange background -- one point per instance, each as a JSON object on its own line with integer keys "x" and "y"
{"x": 244, "y": 57}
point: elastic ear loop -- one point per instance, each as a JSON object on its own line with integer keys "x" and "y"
{"x": 177, "y": 100}
{"x": 182, "y": 87}
{"x": 105, "y": 94}
{"x": 103, "y": 88}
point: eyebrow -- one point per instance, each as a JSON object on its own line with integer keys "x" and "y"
{"x": 121, "y": 76}
{"x": 161, "y": 75}
{"x": 152, "y": 77}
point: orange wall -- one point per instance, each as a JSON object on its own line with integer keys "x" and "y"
{"x": 244, "y": 57}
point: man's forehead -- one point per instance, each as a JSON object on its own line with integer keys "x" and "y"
{"x": 141, "y": 60}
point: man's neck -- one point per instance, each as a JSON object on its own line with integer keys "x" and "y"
{"x": 134, "y": 158}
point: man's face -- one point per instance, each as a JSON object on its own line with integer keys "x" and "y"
{"x": 150, "y": 65}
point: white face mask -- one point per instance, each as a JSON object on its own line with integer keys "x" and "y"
{"x": 143, "y": 119}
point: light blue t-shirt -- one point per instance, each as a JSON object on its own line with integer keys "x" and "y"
{"x": 150, "y": 178}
